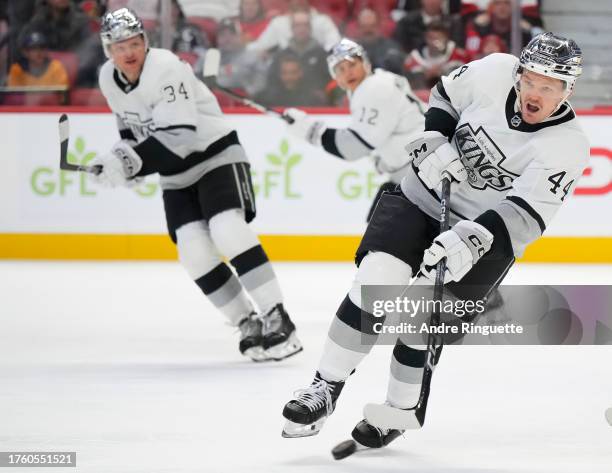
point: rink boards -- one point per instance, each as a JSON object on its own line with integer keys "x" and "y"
{"x": 311, "y": 206}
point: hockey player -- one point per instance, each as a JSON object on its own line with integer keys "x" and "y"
{"x": 503, "y": 129}
{"x": 171, "y": 124}
{"x": 385, "y": 116}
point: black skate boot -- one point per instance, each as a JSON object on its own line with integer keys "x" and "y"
{"x": 365, "y": 436}
{"x": 372, "y": 437}
{"x": 251, "y": 339}
{"x": 307, "y": 413}
{"x": 279, "y": 338}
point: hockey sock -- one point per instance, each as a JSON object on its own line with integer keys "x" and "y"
{"x": 235, "y": 239}
{"x": 406, "y": 375}
{"x": 198, "y": 255}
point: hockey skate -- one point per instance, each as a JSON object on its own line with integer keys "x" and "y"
{"x": 365, "y": 436}
{"x": 279, "y": 338}
{"x": 251, "y": 338}
{"x": 307, "y": 413}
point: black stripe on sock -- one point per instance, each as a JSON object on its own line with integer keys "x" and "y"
{"x": 356, "y": 318}
{"x": 412, "y": 357}
{"x": 214, "y": 279}
{"x": 249, "y": 259}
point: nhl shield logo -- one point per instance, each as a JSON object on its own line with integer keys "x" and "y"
{"x": 516, "y": 121}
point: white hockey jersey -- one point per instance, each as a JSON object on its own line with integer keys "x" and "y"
{"x": 385, "y": 117}
{"x": 522, "y": 172}
{"x": 172, "y": 119}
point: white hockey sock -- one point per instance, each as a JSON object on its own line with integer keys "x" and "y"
{"x": 235, "y": 239}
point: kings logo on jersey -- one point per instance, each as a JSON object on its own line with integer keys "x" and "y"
{"x": 140, "y": 128}
{"x": 482, "y": 159}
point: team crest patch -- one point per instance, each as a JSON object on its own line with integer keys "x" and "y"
{"x": 482, "y": 159}
{"x": 516, "y": 121}
{"x": 139, "y": 127}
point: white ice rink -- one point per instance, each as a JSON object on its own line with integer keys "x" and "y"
{"x": 128, "y": 365}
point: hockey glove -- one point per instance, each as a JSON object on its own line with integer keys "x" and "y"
{"x": 118, "y": 167}
{"x": 304, "y": 127}
{"x": 433, "y": 155}
{"x": 462, "y": 246}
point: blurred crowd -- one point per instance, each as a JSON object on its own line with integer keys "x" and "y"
{"x": 271, "y": 50}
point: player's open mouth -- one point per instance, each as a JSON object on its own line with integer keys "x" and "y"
{"x": 532, "y": 108}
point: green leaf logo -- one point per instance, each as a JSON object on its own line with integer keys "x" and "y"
{"x": 284, "y": 147}
{"x": 80, "y": 155}
{"x": 293, "y": 160}
{"x": 88, "y": 157}
{"x": 274, "y": 159}
{"x": 79, "y": 145}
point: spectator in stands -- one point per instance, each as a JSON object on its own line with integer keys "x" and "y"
{"x": 186, "y": 38}
{"x": 410, "y": 30}
{"x": 64, "y": 25}
{"x": 278, "y": 33}
{"x": 498, "y": 21}
{"x": 18, "y": 14}
{"x": 310, "y": 53}
{"x": 36, "y": 69}
{"x": 253, "y": 20}
{"x": 382, "y": 52}
{"x": 491, "y": 44}
{"x": 287, "y": 86}
{"x": 437, "y": 57}
{"x": 239, "y": 68}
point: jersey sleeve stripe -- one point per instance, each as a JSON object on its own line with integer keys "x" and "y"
{"x": 364, "y": 142}
{"x": 442, "y": 91}
{"x": 177, "y": 127}
{"x": 529, "y": 209}
{"x": 328, "y": 141}
{"x": 440, "y": 120}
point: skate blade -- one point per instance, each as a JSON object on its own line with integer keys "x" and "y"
{"x": 384, "y": 416}
{"x": 257, "y": 354}
{"x": 293, "y": 430}
{"x": 292, "y": 346}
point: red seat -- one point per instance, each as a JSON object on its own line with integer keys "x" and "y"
{"x": 84, "y": 96}
{"x": 70, "y": 61}
{"x": 206, "y": 25}
{"x": 188, "y": 57}
{"x": 34, "y": 98}
{"x": 387, "y": 27}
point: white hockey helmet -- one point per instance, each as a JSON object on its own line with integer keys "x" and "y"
{"x": 120, "y": 25}
{"x": 552, "y": 56}
{"x": 346, "y": 50}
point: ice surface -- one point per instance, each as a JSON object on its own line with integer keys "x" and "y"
{"x": 127, "y": 364}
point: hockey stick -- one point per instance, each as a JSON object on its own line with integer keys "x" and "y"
{"x": 387, "y": 417}
{"x": 64, "y": 135}
{"x": 212, "y": 62}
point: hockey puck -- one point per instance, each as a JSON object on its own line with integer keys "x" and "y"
{"x": 344, "y": 449}
{"x": 608, "y": 417}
